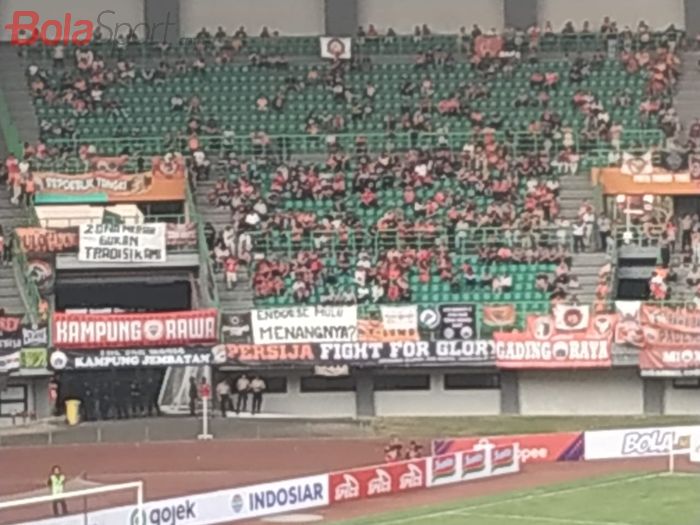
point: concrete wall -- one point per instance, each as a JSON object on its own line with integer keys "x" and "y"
{"x": 656, "y": 13}
{"x": 289, "y": 17}
{"x": 329, "y": 404}
{"x": 442, "y": 16}
{"x": 437, "y": 401}
{"x": 594, "y": 392}
{"x": 37, "y": 397}
{"x": 681, "y": 401}
{"x": 122, "y": 12}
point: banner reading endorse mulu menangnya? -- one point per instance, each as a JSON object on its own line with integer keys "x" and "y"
{"x": 305, "y": 324}
{"x": 120, "y": 243}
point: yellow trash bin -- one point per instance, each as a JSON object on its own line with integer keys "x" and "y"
{"x": 73, "y": 411}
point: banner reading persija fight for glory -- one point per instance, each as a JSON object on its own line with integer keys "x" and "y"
{"x": 670, "y": 341}
{"x": 135, "y": 330}
{"x": 544, "y": 345}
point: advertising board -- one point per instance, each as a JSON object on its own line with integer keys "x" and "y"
{"x": 377, "y": 480}
{"x": 637, "y": 442}
{"x": 534, "y": 448}
{"x": 222, "y": 506}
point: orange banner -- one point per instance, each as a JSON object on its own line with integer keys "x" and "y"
{"x": 165, "y": 182}
{"x": 614, "y": 182}
{"x": 375, "y": 331}
{"x": 48, "y": 240}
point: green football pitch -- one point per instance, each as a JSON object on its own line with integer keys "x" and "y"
{"x": 640, "y": 499}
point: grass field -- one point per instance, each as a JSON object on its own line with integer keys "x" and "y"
{"x": 423, "y": 427}
{"x": 640, "y": 499}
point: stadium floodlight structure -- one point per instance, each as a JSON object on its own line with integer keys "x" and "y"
{"x": 136, "y": 486}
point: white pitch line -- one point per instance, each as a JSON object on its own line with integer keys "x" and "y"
{"x": 526, "y": 497}
{"x": 541, "y": 519}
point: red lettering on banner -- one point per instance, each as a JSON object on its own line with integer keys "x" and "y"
{"x": 534, "y": 448}
{"x": 281, "y": 352}
{"x": 671, "y": 342}
{"x": 134, "y": 330}
{"x": 10, "y": 323}
{"x": 378, "y": 480}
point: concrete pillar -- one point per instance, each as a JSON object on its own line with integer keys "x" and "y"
{"x": 519, "y": 14}
{"x": 510, "y": 392}
{"x": 341, "y": 17}
{"x": 162, "y": 20}
{"x": 692, "y": 17}
{"x": 364, "y": 393}
{"x": 654, "y": 392}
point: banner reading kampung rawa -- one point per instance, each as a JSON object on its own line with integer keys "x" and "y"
{"x": 305, "y": 324}
{"x": 119, "y": 243}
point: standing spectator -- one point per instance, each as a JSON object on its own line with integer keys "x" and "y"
{"x": 59, "y": 55}
{"x": 686, "y": 229}
{"x": 578, "y": 232}
{"x": 257, "y": 386}
{"x": 223, "y": 390}
{"x": 194, "y": 395}
{"x": 604, "y": 227}
{"x": 242, "y": 387}
{"x": 231, "y": 271}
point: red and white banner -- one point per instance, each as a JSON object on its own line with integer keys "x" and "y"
{"x": 378, "y": 480}
{"x": 569, "y": 317}
{"x": 488, "y": 45}
{"x": 534, "y": 448}
{"x": 543, "y": 345}
{"x": 484, "y": 461}
{"x": 135, "y": 330}
{"x": 670, "y": 341}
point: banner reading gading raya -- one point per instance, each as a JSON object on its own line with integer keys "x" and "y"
{"x": 568, "y": 338}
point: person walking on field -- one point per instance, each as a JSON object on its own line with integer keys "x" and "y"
{"x": 223, "y": 391}
{"x": 56, "y": 484}
{"x": 242, "y": 387}
{"x": 257, "y": 386}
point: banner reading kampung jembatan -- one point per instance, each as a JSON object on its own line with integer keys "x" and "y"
{"x": 119, "y": 243}
{"x": 135, "y": 330}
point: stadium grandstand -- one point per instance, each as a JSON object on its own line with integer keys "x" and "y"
{"x": 482, "y": 207}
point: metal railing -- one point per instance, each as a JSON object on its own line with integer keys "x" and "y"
{"x": 24, "y": 279}
{"x": 207, "y": 276}
{"x": 289, "y": 144}
{"x": 8, "y": 129}
{"x": 460, "y": 242}
{"x": 381, "y": 45}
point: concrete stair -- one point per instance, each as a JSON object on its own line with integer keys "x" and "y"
{"x": 687, "y": 97}
{"x": 573, "y": 189}
{"x": 239, "y": 299}
{"x": 14, "y": 85}
{"x": 586, "y": 266}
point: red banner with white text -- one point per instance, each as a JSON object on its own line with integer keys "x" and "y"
{"x": 378, "y": 480}
{"x": 135, "y": 330}
{"x": 670, "y": 341}
{"x": 566, "y": 339}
